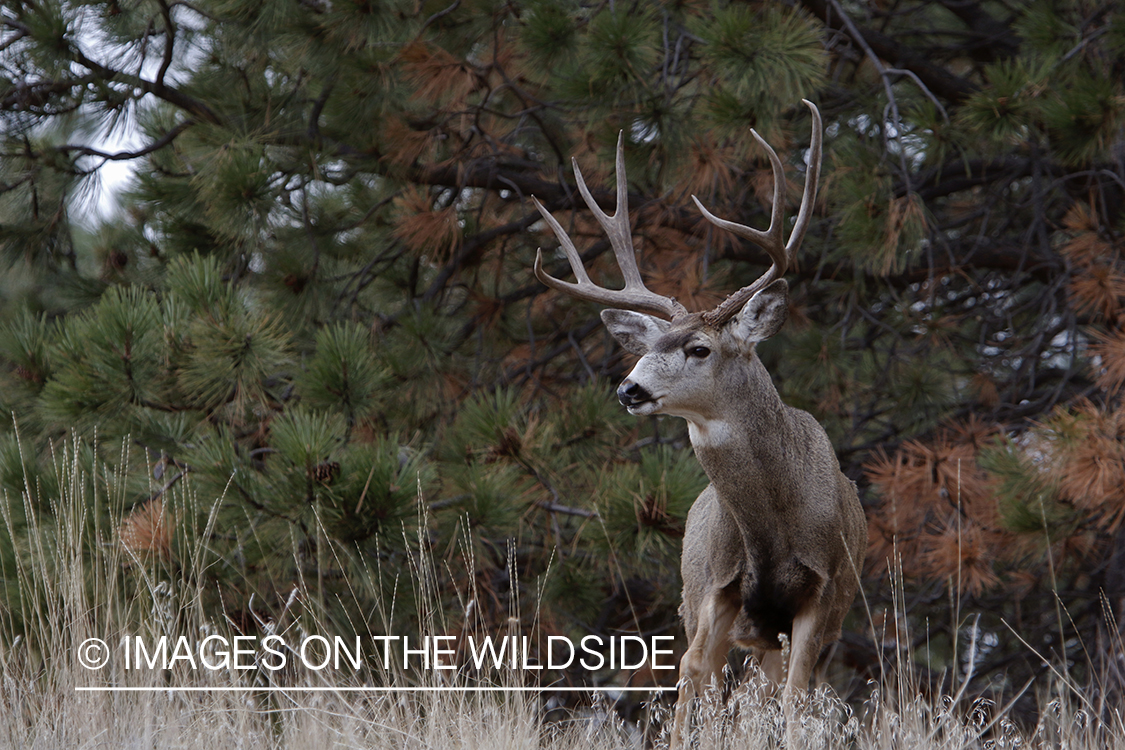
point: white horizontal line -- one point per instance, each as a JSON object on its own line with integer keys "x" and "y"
{"x": 327, "y": 689}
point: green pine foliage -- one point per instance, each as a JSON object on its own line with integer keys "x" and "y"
{"x": 550, "y": 33}
{"x": 312, "y": 312}
{"x": 1027, "y": 496}
{"x": 1005, "y": 109}
{"x": 343, "y": 374}
{"x": 643, "y": 507}
{"x": 754, "y": 53}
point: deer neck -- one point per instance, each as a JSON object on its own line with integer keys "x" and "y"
{"x": 741, "y": 441}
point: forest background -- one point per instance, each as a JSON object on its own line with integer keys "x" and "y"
{"x": 314, "y": 304}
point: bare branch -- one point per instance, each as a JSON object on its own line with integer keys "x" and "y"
{"x": 169, "y": 41}
{"x": 936, "y": 78}
{"x": 156, "y": 145}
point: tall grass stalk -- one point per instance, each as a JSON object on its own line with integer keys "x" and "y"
{"x": 69, "y": 579}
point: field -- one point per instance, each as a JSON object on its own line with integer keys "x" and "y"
{"x": 74, "y": 581}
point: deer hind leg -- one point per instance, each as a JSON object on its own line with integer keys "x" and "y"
{"x": 807, "y": 635}
{"x": 703, "y": 662}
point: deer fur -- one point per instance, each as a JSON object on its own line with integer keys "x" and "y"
{"x": 774, "y": 544}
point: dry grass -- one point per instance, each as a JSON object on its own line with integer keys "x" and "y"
{"x": 61, "y": 595}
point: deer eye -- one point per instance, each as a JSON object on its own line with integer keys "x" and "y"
{"x": 698, "y": 351}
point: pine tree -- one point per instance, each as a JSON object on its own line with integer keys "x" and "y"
{"x": 315, "y": 302}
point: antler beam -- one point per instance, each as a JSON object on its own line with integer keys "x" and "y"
{"x": 781, "y": 254}
{"x": 635, "y": 295}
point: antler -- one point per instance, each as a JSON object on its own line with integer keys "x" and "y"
{"x": 635, "y": 295}
{"x": 781, "y": 253}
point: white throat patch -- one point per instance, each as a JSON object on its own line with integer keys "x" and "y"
{"x": 709, "y": 433}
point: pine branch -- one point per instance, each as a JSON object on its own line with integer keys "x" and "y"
{"x": 169, "y": 41}
{"x": 470, "y": 248}
{"x": 488, "y": 174}
{"x": 25, "y": 96}
{"x": 159, "y": 89}
{"x": 934, "y": 183}
{"x": 156, "y": 145}
{"x": 936, "y": 78}
{"x": 995, "y": 39}
{"x": 568, "y": 511}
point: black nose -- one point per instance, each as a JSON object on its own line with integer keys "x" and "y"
{"x": 629, "y": 393}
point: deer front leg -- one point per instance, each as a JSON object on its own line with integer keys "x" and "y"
{"x": 774, "y": 670}
{"x": 707, "y": 653}
{"x": 808, "y": 628}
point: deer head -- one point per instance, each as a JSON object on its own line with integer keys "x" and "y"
{"x": 684, "y": 354}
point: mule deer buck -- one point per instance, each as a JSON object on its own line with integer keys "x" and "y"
{"x": 774, "y": 543}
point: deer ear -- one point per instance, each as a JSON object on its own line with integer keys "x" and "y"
{"x": 764, "y": 314}
{"x": 636, "y": 332}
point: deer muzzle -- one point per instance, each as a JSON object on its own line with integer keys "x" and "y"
{"x": 631, "y": 394}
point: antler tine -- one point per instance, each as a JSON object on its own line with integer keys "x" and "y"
{"x": 572, "y": 255}
{"x": 635, "y": 296}
{"x": 617, "y": 227}
{"x": 812, "y": 180}
{"x": 772, "y": 240}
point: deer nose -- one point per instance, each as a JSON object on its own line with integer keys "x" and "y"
{"x": 630, "y": 393}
